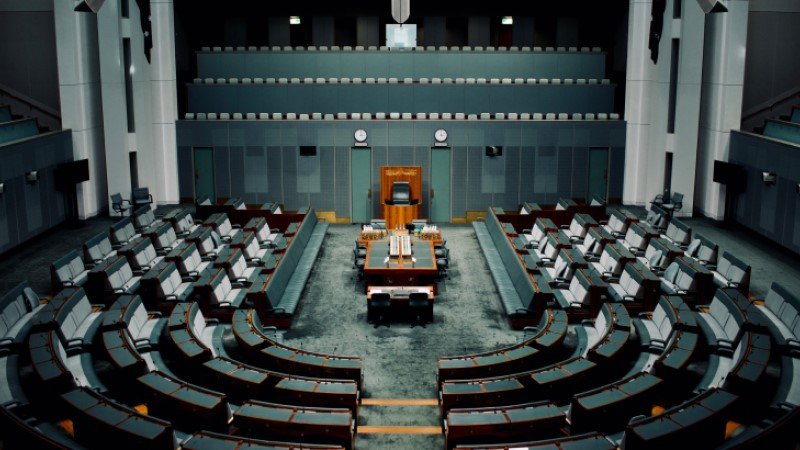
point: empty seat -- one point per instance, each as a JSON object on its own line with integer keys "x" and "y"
{"x": 380, "y": 116}
{"x": 355, "y": 116}
{"x": 212, "y": 116}
{"x": 472, "y": 117}
{"x": 370, "y": 80}
{"x": 703, "y": 250}
{"x": 732, "y": 272}
{"x": 563, "y": 116}
{"x": 550, "y": 116}
{"x": 421, "y": 116}
{"x": 18, "y": 307}
{"x": 445, "y": 116}
{"x": 596, "y": 49}
{"x": 470, "y": 80}
{"x": 722, "y": 322}
{"x": 406, "y": 116}
{"x": 485, "y": 116}
{"x": 555, "y": 81}
{"x": 67, "y": 271}
{"x": 613, "y": 116}
{"x": 679, "y": 278}
{"x": 481, "y": 80}
{"x": 291, "y": 116}
{"x": 513, "y": 116}
{"x": 224, "y": 116}
{"x": 612, "y": 261}
{"x": 526, "y": 116}
{"x": 394, "y": 115}
{"x": 677, "y": 232}
{"x": 500, "y": 116}
{"x": 316, "y": 116}
{"x": 631, "y": 284}
{"x": 189, "y": 116}
{"x": 220, "y": 292}
{"x": 436, "y": 80}
{"x": 544, "y": 81}
{"x": 221, "y": 81}
{"x": 434, "y": 116}
{"x": 424, "y": 80}
{"x": 98, "y": 249}
{"x": 141, "y": 255}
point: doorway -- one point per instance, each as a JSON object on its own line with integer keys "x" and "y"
{"x": 361, "y": 184}
{"x": 440, "y": 185}
{"x": 597, "y": 185}
{"x": 204, "y": 173}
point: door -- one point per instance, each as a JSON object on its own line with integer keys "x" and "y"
{"x": 361, "y": 184}
{"x": 440, "y": 185}
{"x": 598, "y": 174}
{"x": 204, "y": 173}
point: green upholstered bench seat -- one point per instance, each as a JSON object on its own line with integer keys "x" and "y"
{"x": 212, "y": 441}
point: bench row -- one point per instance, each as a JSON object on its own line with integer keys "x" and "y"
{"x": 406, "y": 80}
{"x": 401, "y": 116}
{"x": 429, "y": 48}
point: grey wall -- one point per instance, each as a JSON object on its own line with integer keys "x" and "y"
{"x": 523, "y": 31}
{"x": 542, "y": 161}
{"x": 434, "y": 31}
{"x": 567, "y": 32}
{"x": 367, "y": 32}
{"x": 28, "y": 62}
{"x": 350, "y": 98}
{"x": 322, "y": 30}
{"x": 478, "y": 28}
{"x": 773, "y": 211}
{"x": 773, "y": 43}
{"x": 28, "y": 209}
{"x": 278, "y": 28}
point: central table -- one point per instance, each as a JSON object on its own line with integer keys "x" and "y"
{"x": 400, "y": 272}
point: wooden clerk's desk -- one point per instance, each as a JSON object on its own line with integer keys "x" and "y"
{"x": 400, "y": 272}
{"x": 401, "y": 214}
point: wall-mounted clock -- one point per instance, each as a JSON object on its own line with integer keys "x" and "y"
{"x": 440, "y": 135}
{"x": 360, "y": 135}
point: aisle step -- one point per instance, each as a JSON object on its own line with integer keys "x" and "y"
{"x": 367, "y": 429}
{"x": 399, "y": 402}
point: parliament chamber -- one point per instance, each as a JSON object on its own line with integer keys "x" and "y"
{"x": 399, "y": 225}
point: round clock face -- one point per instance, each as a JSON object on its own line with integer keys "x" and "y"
{"x": 440, "y": 135}
{"x": 360, "y": 135}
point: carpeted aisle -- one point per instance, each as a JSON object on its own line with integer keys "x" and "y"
{"x": 400, "y": 361}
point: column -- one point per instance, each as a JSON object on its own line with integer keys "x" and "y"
{"x": 637, "y": 109}
{"x": 79, "y": 92}
{"x": 721, "y": 104}
{"x": 164, "y": 100}
{"x": 115, "y": 118}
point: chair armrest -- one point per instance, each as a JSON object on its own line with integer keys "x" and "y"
{"x": 521, "y": 311}
{"x": 138, "y": 272}
{"x": 628, "y": 297}
{"x": 237, "y": 284}
{"x": 118, "y": 291}
{"x": 212, "y": 320}
{"x": 274, "y": 230}
{"x": 68, "y": 283}
{"x": 171, "y": 297}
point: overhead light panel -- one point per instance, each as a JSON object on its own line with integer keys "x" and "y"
{"x": 507, "y": 20}
{"x": 294, "y": 20}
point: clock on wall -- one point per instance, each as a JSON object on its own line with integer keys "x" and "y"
{"x": 440, "y": 135}
{"x": 360, "y": 135}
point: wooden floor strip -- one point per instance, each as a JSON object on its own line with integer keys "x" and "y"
{"x": 398, "y": 430}
{"x": 399, "y": 402}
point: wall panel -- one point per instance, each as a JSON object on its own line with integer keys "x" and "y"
{"x": 542, "y": 160}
